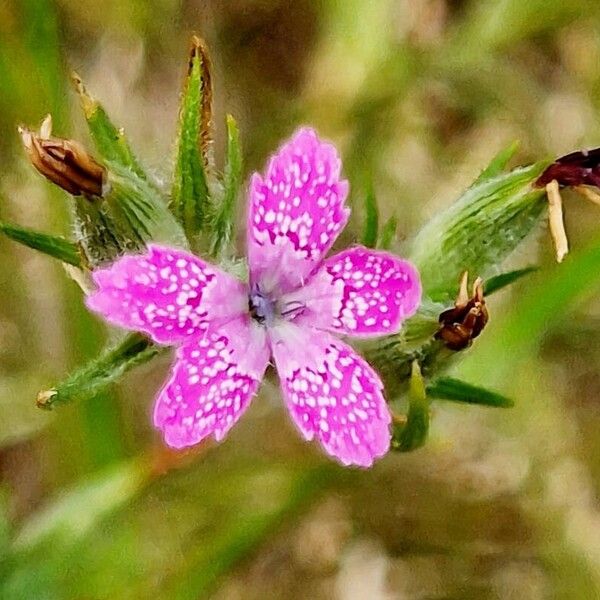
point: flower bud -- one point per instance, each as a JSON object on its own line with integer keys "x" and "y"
{"x": 64, "y": 162}
{"x": 460, "y": 325}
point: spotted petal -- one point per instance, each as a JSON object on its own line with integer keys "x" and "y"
{"x": 359, "y": 292}
{"x": 212, "y": 384}
{"x": 332, "y": 394}
{"x": 166, "y": 293}
{"x": 296, "y": 212}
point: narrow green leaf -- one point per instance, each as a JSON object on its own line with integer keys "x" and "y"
{"x": 108, "y": 368}
{"x": 498, "y": 282}
{"x": 110, "y": 141}
{"x": 225, "y": 217}
{"x": 447, "y": 388}
{"x": 413, "y": 433}
{"x": 478, "y": 231}
{"x": 139, "y": 211}
{"x": 388, "y": 233}
{"x": 190, "y": 193}
{"x": 371, "y": 227}
{"x": 51, "y": 245}
{"x": 498, "y": 163}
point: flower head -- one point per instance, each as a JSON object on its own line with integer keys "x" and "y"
{"x": 295, "y": 304}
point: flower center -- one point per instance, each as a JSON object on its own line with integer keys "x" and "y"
{"x": 264, "y": 310}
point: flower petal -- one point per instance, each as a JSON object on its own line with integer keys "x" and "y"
{"x": 213, "y": 381}
{"x": 332, "y": 394}
{"x": 296, "y": 212}
{"x": 359, "y": 292}
{"x": 167, "y": 293}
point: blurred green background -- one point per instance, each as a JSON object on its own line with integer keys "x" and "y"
{"x": 418, "y": 95}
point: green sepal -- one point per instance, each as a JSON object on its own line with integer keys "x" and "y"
{"x": 412, "y": 434}
{"x": 190, "y": 196}
{"x": 108, "y": 368}
{"x": 387, "y": 234}
{"x": 478, "y": 231}
{"x": 371, "y": 227}
{"x": 498, "y": 282}
{"x": 224, "y": 221}
{"x": 96, "y": 232}
{"x": 394, "y": 355}
{"x": 498, "y": 163}
{"x": 111, "y": 143}
{"x": 455, "y": 390}
{"x": 51, "y": 245}
{"x": 139, "y": 211}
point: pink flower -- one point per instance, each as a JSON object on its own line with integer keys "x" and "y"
{"x": 294, "y": 305}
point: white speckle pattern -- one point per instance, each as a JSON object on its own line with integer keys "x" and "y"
{"x": 333, "y": 395}
{"x": 226, "y": 330}
{"x": 212, "y": 384}
{"x": 358, "y": 292}
{"x": 379, "y": 291}
{"x": 296, "y": 212}
{"x": 165, "y": 293}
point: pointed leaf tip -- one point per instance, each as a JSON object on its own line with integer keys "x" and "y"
{"x": 412, "y": 434}
{"x": 110, "y": 140}
{"x": 455, "y": 390}
{"x": 190, "y": 195}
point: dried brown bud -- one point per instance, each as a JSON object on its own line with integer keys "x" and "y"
{"x": 460, "y": 325}
{"x": 64, "y": 162}
{"x": 575, "y": 169}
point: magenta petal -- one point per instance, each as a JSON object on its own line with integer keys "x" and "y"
{"x": 332, "y": 394}
{"x": 359, "y": 292}
{"x": 213, "y": 381}
{"x": 296, "y": 212}
{"x": 167, "y": 293}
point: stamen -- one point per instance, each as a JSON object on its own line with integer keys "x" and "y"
{"x": 555, "y": 218}
{"x": 292, "y": 309}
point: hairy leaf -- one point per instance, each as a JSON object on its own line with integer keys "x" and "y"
{"x": 108, "y": 368}
{"x": 110, "y": 141}
{"x": 51, "y": 245}
{"x": 478, "y": 231}
{"x": 190, "y": 193}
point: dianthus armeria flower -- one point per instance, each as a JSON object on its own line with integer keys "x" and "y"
{"x": 292, "y": 309}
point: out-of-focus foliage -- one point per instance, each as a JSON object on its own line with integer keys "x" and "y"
{"x": 420, "y": 95}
